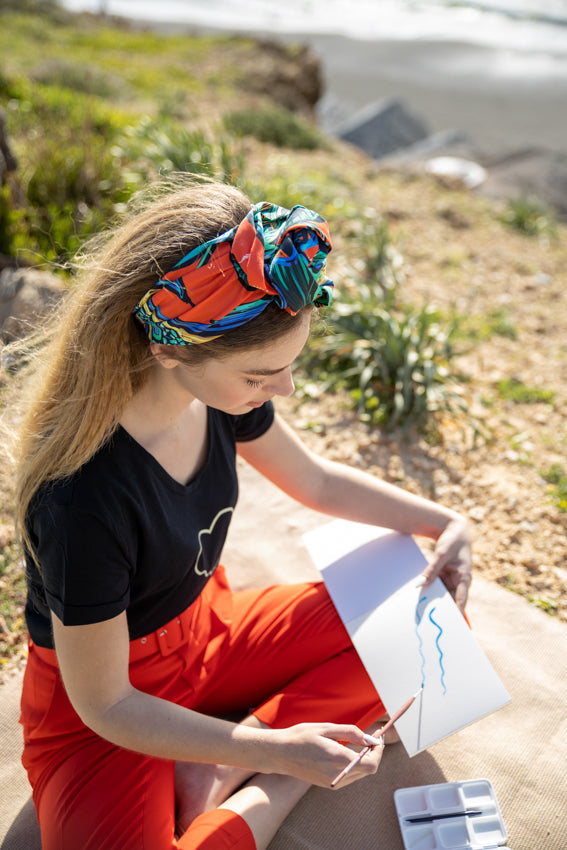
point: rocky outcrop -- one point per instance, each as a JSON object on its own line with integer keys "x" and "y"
{"x": 27, "y": 295}
{"x": 534, "y": 173}
{"x": 383, "y": 128}
{"x": 288, "y": 74}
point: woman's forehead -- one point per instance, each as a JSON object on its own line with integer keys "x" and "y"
{"x": 274, "y": 356}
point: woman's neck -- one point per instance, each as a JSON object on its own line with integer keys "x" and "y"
{"x": 158, "y": 407}
{"x": 171, "y": 426}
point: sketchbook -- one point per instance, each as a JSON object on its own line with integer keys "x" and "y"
{"x": 408, "y": 637}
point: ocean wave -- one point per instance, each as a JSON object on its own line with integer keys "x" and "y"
{"x": 516, "y": 25}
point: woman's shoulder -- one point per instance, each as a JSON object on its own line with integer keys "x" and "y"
{"x": 96, "y": 481}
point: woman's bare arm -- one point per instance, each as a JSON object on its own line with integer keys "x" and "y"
{"x": 341, "y": 491}
{"x": 94, "y": 665}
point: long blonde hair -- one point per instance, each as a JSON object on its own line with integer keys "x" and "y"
{"x": 93, "y": 356}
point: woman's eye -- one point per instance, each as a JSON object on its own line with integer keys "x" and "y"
{"x": 252, "y": 383}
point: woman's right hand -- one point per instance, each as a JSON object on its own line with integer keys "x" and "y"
{"x": 318, "y": 752}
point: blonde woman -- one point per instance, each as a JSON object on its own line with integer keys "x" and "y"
{"x": 163, "y": 364}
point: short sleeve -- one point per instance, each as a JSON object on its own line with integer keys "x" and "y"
{"x": 252, "y": 425}
{"x": 85, "y": 573}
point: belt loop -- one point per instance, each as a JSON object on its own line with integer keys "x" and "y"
{"x": 171, "y": 636}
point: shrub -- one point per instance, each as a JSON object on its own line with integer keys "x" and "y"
{"x": 70, "y": 181}
{"x": 276, "y": 126}
{"x": 378, "y": 261}
{"x": 529, "y": 216}
{"x": 164, "y": 146}
{"x": 79, "y": 77}
{"x": 392, "y": 360}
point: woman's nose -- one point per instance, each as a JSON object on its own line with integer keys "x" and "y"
{"x": 282, "y": 384}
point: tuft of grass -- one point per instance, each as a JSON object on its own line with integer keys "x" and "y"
{"x": 556, "y": 477}
{"x": 497, "y": 322}
{"x": 379, "y": 262}
{"x": 275, "y": 125}
{"x": 529, "y": 217}
{"x": 549, "y": 606}
{"x": 164, "y": 146}
{"x": 511, "y": 389}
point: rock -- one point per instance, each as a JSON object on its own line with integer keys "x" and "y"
{"x": 26, "y": 296}
{"x": 445, "y": 142}
{"x": 289, "y": 75}
{"x": 534, "y": 173}
{"x": 382, "y": 128}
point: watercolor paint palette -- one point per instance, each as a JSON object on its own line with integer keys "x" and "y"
{"x": 451, "y": 816}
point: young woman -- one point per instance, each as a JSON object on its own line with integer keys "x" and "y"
{"x": 161, "y": 365}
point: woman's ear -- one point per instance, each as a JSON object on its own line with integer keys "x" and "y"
{"x": 161, "y": 353}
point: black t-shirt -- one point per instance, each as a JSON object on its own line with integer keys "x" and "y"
{"x": 122, "y": 534}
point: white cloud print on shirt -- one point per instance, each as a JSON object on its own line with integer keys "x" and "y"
{"x": 202, "y": 533}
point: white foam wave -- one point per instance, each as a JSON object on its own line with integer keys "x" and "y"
{"x": 506, "y": 24}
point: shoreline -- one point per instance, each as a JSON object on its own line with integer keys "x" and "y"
{"x": 502, "y": 101}
{"x": 455, "y": 86}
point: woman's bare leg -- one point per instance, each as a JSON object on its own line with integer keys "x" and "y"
{"x": 263, "y": 800}
{"x": 264, "y": 803}
{"x": 202, "y": 787}
{"x": 391, "y": 736}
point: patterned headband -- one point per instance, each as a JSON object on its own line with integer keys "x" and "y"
{"x": 274, "y": 255}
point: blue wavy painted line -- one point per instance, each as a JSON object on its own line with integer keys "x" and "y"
{"x": 418, "y": 617}
{"x": 437, "y": 639}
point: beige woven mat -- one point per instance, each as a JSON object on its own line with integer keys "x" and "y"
{"x": 522, "y": 748}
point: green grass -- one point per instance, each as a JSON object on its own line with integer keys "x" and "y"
{"x": 556, "y": 478}
{"x": 161, "y": 146}
{"x": 150, "y": 63}
{"x": 497, "y": 322}
{"x": 75, "y": 92}
{"x": 511, "y": 389}
{"x": 277, "y": 126}
{"x": 530, "y": 217}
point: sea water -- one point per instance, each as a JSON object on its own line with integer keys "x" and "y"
{"x": 519, "y": 25}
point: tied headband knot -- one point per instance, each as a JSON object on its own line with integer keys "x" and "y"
{"x": 274, "y": 255}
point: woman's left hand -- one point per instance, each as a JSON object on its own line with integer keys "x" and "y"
{"x": 452, "y": 560}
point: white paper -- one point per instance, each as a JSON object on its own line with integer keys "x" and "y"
{"x": 406, "y": 636}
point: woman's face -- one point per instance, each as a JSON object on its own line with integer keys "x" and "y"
{"x": 241, "y": 381}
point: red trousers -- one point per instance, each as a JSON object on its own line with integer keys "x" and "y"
{"x": 282, "y": 653}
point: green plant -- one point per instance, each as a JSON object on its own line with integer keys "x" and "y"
{"x": 550, "y": 606}
{"x": 497, "y": 322}
{"x": 378, "y": 260}
{"x": 165, "y": 146}
{"x": 557, "y": 479}
{"x": 79, "y": 77}
{"x": 72, "y": 189}
{"x": 393, "y": 361}
{"x": 529, "y": 216}
{"x": 276, "y": 126}
{"x": 511, "y": 389}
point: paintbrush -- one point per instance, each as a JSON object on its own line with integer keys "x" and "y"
{"x": 374, "y": 740}
{"x": 468, "y": 813}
